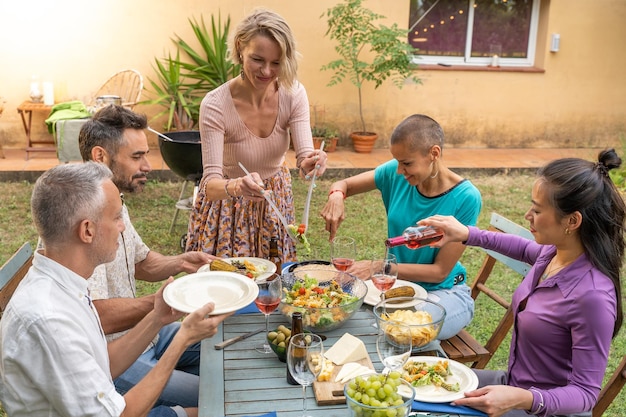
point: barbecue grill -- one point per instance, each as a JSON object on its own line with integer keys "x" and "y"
{"x": 182, "y": 153}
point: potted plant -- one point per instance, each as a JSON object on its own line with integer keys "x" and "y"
{"x": 181, "y": 84}
{"x": 368, "y": 52}
{"x": 325, "y": 134}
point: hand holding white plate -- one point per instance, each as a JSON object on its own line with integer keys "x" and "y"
{"x": 229, "y": 291}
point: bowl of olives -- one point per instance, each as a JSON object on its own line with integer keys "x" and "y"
{"x": 279, "y": 341}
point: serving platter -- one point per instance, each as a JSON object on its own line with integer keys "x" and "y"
{"x": 230, "y": 291}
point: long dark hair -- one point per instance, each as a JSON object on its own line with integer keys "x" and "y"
{"x": 578, "y": 185}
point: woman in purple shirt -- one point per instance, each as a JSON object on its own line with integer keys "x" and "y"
{"x": 568, "y": 308}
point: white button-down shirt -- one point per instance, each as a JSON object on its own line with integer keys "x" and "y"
{"x": 54, "y": 359}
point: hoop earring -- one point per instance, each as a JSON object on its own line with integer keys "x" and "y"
{"x": 435, "y": 174}
{"x": 567, "y": 231}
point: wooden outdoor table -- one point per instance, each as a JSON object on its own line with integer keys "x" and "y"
{"x": 240, "y": 381}
{"x": 26, "y": 110}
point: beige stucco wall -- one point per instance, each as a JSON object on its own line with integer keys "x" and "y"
{"x": 579, "y": 99}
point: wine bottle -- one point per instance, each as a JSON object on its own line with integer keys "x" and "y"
{"x": 415, "y": 237}
{"x": 296, "y": 328}
{"x": 275, "y": 255}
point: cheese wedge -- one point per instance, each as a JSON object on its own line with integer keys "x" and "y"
{"x": 346, "y": 369}
{"x": 362, "y": 370}
{"x": 351, "y": 370}
{"x": 347, "y": 349}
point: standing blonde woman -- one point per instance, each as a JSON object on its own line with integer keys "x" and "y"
{"x": 250, "y": 120}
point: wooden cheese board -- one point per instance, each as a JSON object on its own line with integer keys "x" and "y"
{"x": 324, "y": 391}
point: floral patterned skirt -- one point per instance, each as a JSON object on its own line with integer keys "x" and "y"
{"x": 238, "y": 226}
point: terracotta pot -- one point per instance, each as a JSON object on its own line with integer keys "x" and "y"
{"x": 330, "y": 144}
{"x": 363, "y": 142}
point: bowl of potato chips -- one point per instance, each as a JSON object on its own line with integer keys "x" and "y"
{"x": 423, "y": 317}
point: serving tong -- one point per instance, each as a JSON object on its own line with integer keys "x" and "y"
{"x": 307, "y": 204}
{"x": 269, "y": 200}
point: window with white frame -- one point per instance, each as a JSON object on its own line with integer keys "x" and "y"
{"x": 471, "y": 32}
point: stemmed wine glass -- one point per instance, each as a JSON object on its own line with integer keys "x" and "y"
{"x": 270, "y": 291}
{"x": 305, "y": 360}
{"x": 393, "y": 344}
{"x": 384, "y": 273}
{"x": 342, "y": 252}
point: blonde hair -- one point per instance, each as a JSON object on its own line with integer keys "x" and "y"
{"x": 263, "y": 22}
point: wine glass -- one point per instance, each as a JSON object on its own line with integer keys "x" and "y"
{"x": 270, "y": 291}
{"x": 384, "y": 273}
{"x": 394, "y": 344}
{"x": 305, "y": 360}
{"x": 342, "y": 252}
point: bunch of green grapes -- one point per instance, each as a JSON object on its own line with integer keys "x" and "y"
{"x": 380, "y": 391}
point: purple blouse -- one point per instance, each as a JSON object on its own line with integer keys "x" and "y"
{"x": 562, "y": 327}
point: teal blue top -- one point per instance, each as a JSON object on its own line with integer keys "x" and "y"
{"x": 405, "y": 205}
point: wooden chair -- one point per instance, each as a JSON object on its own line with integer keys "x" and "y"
{"x": 464, "y": 347}
{"x": 12, "y": 272}
{"x": 126, "y": 84}
{"x": 611, "y": 389}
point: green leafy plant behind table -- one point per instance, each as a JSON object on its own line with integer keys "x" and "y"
{"x": 181, "y": 84}
{"x": 368, "y": 52}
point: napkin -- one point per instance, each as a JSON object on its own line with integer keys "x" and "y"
{"x": 250, "y": 308}
{"x": 446, "y": 408}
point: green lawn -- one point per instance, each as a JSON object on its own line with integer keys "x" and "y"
{"x": 152, "y": 212}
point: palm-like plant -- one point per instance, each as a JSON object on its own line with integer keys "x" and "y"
{"x": 182, "y": 84}
{"x": 173, "y": 94}
{"x": 211, "y": 66}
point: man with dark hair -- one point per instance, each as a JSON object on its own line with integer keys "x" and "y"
{"x": 115, "y": 136}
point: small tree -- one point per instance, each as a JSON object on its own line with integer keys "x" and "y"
{"x": 351, "y": 25}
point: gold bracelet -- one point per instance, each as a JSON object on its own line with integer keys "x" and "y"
{"x": 226, "y": 189}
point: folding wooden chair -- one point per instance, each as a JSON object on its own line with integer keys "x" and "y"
{"x": 464, "y": 347}
{"x": 611, "y": 389}
{"x": 12, "y": 273}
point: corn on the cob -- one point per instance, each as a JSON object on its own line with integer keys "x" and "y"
{"x": 219, "y": 265}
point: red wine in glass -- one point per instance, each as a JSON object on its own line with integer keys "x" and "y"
{"x": 267, "y": 304}
{"x": 342, "y": 264}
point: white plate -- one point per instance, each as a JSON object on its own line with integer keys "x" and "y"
{"x": 229, "y": 291}
{"x": 269, "y": 267}
{"x": 466, "y": 378}
{"x": 373, "y": 294}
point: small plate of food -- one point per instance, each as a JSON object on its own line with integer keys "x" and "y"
{"x": 254, "y": 268}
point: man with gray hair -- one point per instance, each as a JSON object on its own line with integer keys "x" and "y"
{"x": 55, "y": 359}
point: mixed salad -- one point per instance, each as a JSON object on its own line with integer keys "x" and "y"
{"x": 308, "y": 293}
{"x": 421, "y": 374}
{"x": 300, "y": 231}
